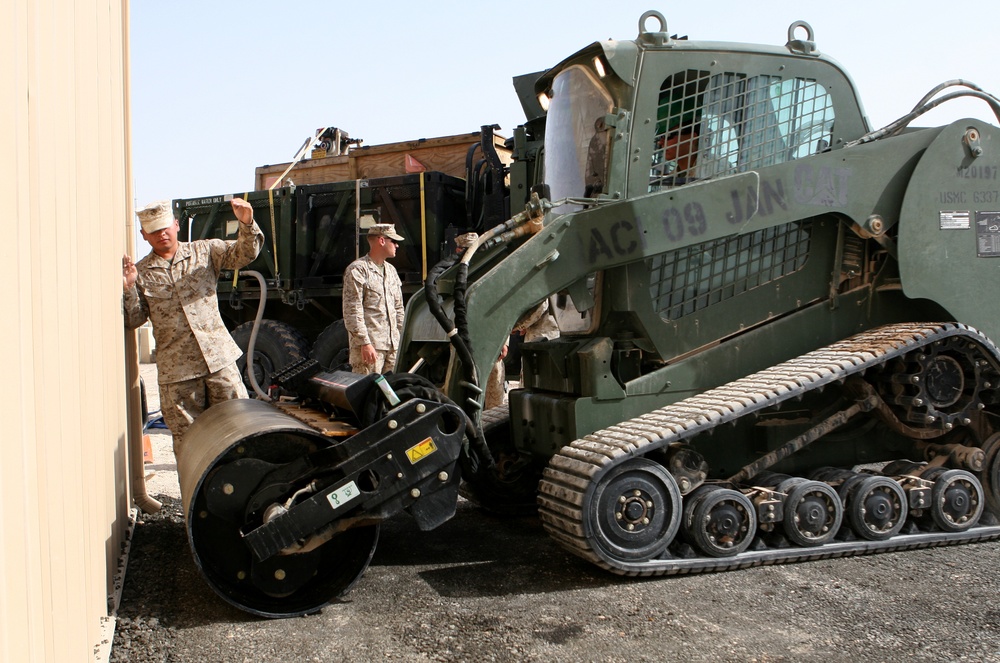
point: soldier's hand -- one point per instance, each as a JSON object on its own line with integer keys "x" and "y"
{"x": 129, "y": 272}
{"x": 368, "y": 354}
{"x": 243, "y": 211}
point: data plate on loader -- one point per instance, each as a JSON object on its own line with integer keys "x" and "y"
{"x": 954, "y": 220}
{"x": 988, "y": 234}
{"x": 343, "y": 495}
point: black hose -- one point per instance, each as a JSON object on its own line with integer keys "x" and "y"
{"x": 434, "y": 300}
{"x": 460, "y": 341}
{"x": 461, "y": 311}
{"x": 436, "y": 305}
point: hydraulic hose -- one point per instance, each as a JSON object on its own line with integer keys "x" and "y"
{"x": 525, "y": 223}
{"x": 461, "y": 312}
{"x": 528, "y": 222}
{"x": 435, "y": 304}
{"x": 927, "y": 104}
{"x": 253, "y": 335}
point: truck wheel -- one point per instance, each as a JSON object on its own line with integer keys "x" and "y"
{"x": 278, "y": 345}
{"x": 330, "y": 348}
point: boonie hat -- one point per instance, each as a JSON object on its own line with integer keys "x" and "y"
{"x": 384, "y": 230}
{"x": 155, "y": 216}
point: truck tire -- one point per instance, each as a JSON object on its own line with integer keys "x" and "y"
{"x": 331, "y": 347}
{"x": 278, "y": 345}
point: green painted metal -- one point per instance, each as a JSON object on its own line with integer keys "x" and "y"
{"x": 949, "y": 234}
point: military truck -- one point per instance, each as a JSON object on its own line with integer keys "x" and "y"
{"x": 314, "y": 213}
{"x": 777, "y": 341}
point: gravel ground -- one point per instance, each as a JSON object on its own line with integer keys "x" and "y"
{"x": 481, "y": 588}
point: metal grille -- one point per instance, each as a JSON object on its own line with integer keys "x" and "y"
{"x": 691, "y": 279}
{"x": 713, "y": 125}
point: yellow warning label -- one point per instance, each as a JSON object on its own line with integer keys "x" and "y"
{"x": 420, "y": 451}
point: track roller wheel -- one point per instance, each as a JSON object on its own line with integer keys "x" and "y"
{"x": 876, "y": 508}
{"x": 813, "y": 512}
{"x": 720, "y": 522}
{"x": 956, "y": 500}
{"x": 990, "y": 474}
{"x": 633, "y": 512}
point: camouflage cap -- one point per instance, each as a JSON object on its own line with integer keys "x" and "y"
{"x": 155, "y": 216}
{"x": 384, "y": 230}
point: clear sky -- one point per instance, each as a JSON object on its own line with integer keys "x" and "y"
{"x": 221, "y": 87}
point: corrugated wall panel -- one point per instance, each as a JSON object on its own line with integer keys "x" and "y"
{"x": 20, "y": 626}
{"x": 64, "y": 174}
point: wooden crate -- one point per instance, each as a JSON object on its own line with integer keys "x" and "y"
{"x": 446, "y": 154}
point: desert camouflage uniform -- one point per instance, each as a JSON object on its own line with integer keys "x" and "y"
{"x": 496, "y": 386}
{"x": 537, "y": 324}
{"x": 373, "y": 313}
{"x": 195, "y": 355}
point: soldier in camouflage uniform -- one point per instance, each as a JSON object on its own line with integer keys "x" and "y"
{"x": 538, "y": 324}
{"x": 174, "y": 287}
{"x": 373, "y": 304}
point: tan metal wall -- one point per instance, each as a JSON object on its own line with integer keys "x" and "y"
{"x": 65, "y": 221}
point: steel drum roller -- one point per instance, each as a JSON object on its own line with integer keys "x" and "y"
{"x": 226, "y": 453}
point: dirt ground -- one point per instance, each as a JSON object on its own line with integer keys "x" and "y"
{"x": 481, "y": 588}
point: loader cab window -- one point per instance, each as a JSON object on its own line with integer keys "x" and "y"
{"x": 715, "y": 125}
{"x": 678, "y": 136}
{"x": 781, "y": 120}
{"x": 576, "y": 138}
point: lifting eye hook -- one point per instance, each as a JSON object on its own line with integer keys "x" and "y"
{"x": 971, "y": 140}
{"x": 805, "y": 46}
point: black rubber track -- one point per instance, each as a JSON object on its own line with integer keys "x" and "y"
{"x": 569, "y": 480}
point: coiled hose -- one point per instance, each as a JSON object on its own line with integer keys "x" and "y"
{"x": 251, "y": 374}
